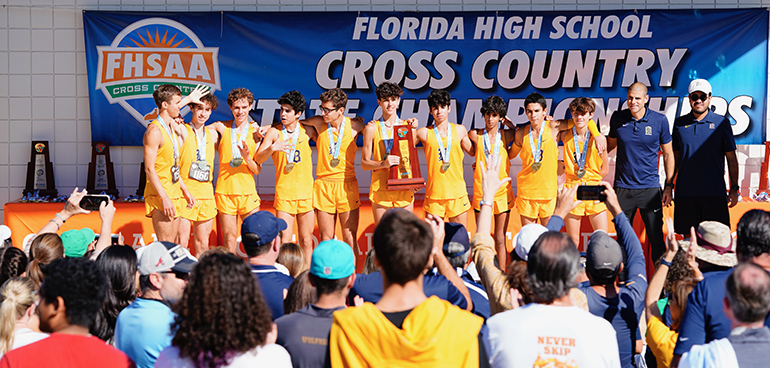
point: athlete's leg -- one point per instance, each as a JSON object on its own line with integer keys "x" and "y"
{"x": 183, "y": 235}
{"x": 572, "y": 224}
{"x": 289, "y": 218}
{"x": 377, "y": 212}
{"x": 326, "y": 224}
{"x": 229, "y": 224}
{"x": 305, "y": 222}
{"x": 166, "y": 228}
{"x": 501, "y": 227}
{"x": 201, "y": 233}
{"x": 349, "y": 225}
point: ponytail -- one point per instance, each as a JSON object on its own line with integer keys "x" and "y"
{"x": 16, "y": 296}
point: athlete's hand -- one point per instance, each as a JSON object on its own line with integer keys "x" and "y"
{"x": 667, "y": 197}
{"x": 198, "y": 92}
{"x": 412, "y": 122}
{"x": 733, "y": 198}
{"x": 279, "y": 145}
{"x": 189, "y": 197}
{"x": 600, "y": 142}
{"x": 261, "y": 130}
{"x": 357, "y": 119}
{"x": 507, "y": 122}
{"x": 245, "y": 152}
{"x": 168, "y": 206}
{"x": 392, "y": 160}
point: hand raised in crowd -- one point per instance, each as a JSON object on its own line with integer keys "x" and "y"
{"x": 107, "y": 211}
{"x": 490, "y": 180}
{"x": 672, "y": 245}
{"x": 437, "y": 225}
{"x": 612, "y": 199}
{"x": 566, "y": 201}
{"x": 72, "y": 207}
{"x": 691, "y": 251}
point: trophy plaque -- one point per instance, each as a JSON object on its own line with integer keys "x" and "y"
{"x": 101, "y": 173}
{"x": 406, "y": 175}
{"x": 40, "y": 172}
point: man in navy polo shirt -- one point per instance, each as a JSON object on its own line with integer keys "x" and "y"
{"x": 639, "y": 133}
{"x": 704, "y": 319}
{"x": 702, "y": 141}
{"x": 261, "y": 237}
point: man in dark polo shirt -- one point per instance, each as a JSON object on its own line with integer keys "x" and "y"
{"x": 639, "y": 134}
{"x": 305, "y": 333}
{"x": 261, "y": 237}
{"x": 701, "y": 142}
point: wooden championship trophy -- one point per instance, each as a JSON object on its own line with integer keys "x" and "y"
{"x": 40, "y": 172}
{"x": 101, "y": 174}
{"x": 406, "y": 175}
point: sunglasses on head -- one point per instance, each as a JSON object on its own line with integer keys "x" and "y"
{"x": 179, "y": 274}
{"x": 698, "y": 96}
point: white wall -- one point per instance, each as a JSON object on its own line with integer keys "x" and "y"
{"x": 43, "y": 82}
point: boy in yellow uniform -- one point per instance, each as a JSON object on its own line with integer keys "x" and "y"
{"x": 444, "y": 143}
{"x": 163, "y": 191}
{"x": 491, "y": 143}
{"x": 197, "y": 162}
{"x": 376, "y": 157}
{"x": 335, "y": 191}
{"x": 289, "y": 145}
{"x": 583, "y": 165}
{"x": 536, "y": 183}
{"x": 236, "y": 192}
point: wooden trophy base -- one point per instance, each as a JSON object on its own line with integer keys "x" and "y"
{"x": 406, "y": 184}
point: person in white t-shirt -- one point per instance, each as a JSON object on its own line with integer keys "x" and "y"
{"x": 17, "y": 303}
{"x": 222, "y": 289}
{"x": 551, "y": 331}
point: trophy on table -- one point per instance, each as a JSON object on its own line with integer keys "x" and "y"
{"x": 406, "y": 175}
{"x": 101, "y": 173}
{"x": 40, "y": 172}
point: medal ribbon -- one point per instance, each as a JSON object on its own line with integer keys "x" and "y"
{"x": 536, "y": 154}
{"x": 201, "y": 153}
{"x": 294, "y": 136}
{"x": 171, "y": 134}
{"x": 444, "y": 154}
{"x": 234, "y": 142}
{"x": 335, "y": 144}
{"x": 580, "y": 159}
{"x": 388, "y": 142}
{"x": 488, "y": 148}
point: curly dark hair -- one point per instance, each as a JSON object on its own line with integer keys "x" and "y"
{"x": 494, "y": 105}
{"x": 537, "y": 98}
{"x": 300, "y": 293}
{"x": 239, "y": 93}
{"x": 13, "y": 262}
{"x": 516, "y": 276}
{"x": 438, "y": 98}
{"x": 222, "y": 312}
{"x": 119, "y": 266}
{"x": 753, "y": 236}
{"x": 82, "y": 286}
{"x": 679, "y": 269}
{"x": 387, "y": 90}
{"x": 295, "y": 99}
{"x": 337, "y": 96}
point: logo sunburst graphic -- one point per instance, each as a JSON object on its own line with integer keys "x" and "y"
{"x": 157, "y": 41}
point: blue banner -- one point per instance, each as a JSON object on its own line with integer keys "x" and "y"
{"x": 473, "y": 55}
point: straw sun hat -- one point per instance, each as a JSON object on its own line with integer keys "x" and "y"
{"x": 715, "y": 244}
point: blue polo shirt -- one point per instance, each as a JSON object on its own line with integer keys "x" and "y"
{"x": 704, "y": 319}
{"x": 702, "y": 145}
{"x": 272, "y": 282}
{"x": 369, "y": 287}
{"x": 478, "y": 294}
{"x": 636, "y": 165}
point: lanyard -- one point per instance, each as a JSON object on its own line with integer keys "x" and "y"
{"x": 580, "y": 159}
{"x": 201, "y": 153}
{"x": 234, "y": 142}
{"x": 171, "y": 135}
{"x": 536, "y": 154}
{"x": 388, "y": 142}
{"x": 334, "y": 145}
{"x": 488, "y": 145}
{"x": 444, "y": 154}
{"x": 294, "y": 136}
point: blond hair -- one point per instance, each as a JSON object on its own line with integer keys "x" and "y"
{"x": 16, "y": 296}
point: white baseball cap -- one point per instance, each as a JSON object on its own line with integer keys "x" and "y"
{"x": 525, "y": 239}
{"x": 700, "y": 85}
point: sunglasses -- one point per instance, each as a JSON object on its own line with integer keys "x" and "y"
{"x": 327, "y": 111}
{"x": 698, "y": 96}
{"x": 179, "y": 274}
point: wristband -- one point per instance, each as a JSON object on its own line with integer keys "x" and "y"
{"x": 485, "y": 203}
{"x": 60, "y": 218}
{"x": 55, "y": 223}
{"x": 670, "y": 185}
{"x": 735, "y": 187}
{"x": 664, "y": 262}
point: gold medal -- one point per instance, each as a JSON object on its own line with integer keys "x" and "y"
{"x": 536, "y": 166}
{"x": 236, "y": 162}
{"x": 445, "y": 166}
{"x": 289, "y": 167}
{"x": 334, "y": 162}
{"x": 581, "y": 173}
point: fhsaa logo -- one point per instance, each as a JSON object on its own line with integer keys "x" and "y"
{"x": 149, "y": 53}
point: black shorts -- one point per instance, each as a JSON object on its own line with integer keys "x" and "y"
{"x": 691, "y": 211}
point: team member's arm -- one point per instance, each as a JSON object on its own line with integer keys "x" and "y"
{"x": 248, "y": 157}
{"x": 187, "y": 195}
{"x": 732, "y": 169}
{"x": 612, "y": 138}
{"x": 439, "y": 260}
{"x": 194, "y": 96}
{"x": 473, "y": 137}
{"x": 152, "y": 141}
{"x": 367, "y": 152}
{"x": 421, "y": 136}
{"x": 270, "y": 144}
{"x": 357, "y": 126}
{"x": 605, "y": 163}
{"x": 218, "y": 130}
{"x": 465, "y": 142}
{"x": 518, "y": 142}
{"x": 314, "y": 121}
{"x": 670, "y": 166}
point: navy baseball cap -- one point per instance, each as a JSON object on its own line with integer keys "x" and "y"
{"x": 455, "y": 233}
{"x": 263, "y": 224}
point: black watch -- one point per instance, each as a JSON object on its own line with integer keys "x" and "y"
{"x": 670, "y": 185}
{"x": 735, "y": 187}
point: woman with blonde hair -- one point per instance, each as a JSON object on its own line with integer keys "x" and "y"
{"x": 17, "y": 314}
{"x": 45, "y": 249}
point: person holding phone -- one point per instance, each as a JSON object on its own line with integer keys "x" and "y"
{"x": 583, "y": 164}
